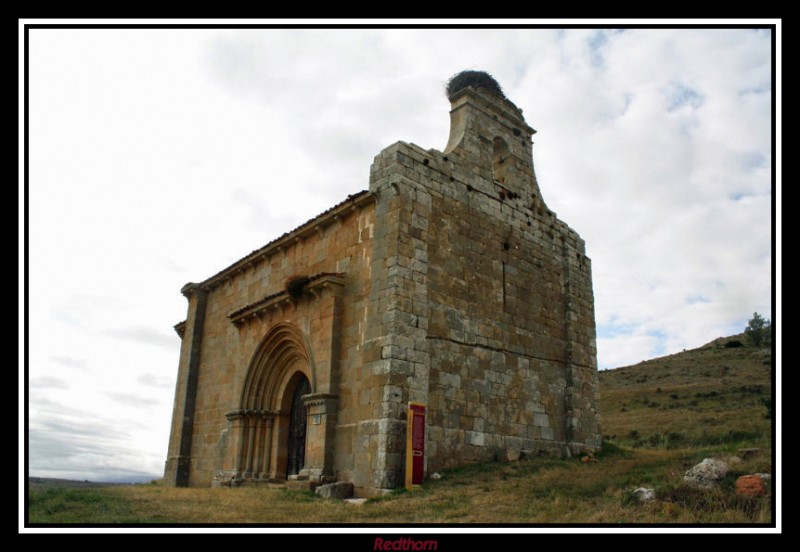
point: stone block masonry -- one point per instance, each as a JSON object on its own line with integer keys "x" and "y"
{"x": 449, "y": 283}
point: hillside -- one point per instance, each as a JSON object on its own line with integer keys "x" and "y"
{"x": 715, "y": 394}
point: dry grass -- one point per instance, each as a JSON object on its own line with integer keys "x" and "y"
{"x": 708, "y": 402}
{"x": 708, "y": 396}
{"x": 539, "y": 491}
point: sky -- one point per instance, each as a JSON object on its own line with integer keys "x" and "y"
{"x": 159, "y": 156}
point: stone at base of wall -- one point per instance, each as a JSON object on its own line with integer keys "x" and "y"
{"x": 322, "y": 479}
{"x": 302, "y": 485}
{"x": 264, "y": 483}
{"x": 513, "y": 454}
{"x": 340, "y": 489}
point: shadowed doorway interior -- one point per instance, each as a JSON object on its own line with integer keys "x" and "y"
{"x": 297, "y": 429}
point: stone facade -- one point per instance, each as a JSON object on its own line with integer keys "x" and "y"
{"x": 448, "y": 282}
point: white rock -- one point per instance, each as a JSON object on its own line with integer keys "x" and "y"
{"x": 707, "y": 473}
{"x": 644, "y": 494}
{"x": 436, "y": 476}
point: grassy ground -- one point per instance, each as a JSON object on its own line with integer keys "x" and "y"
{"x": 713, "y": 395}
{"x": 535, "y": 491}
{"x": 660, "y": 418}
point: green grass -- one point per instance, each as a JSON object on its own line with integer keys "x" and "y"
{"x": 81, "y": 505}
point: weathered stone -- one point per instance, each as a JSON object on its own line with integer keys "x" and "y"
{"x": 302, "y": 485}
{"x": 706, "y": 474}
{"x": 448, "y": 282}
{"x": 514, "y": 447}
{"x": 644, "y": 494}
{"x": 340, "y": 489}
{"x": 751, "y": 485}
{"x": 356, "y": 501}
{"x": 436, "y": 476}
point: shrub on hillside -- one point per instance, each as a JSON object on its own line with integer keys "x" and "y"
{"x": 759, "y": 330}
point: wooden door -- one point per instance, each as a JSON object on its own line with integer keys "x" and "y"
{"x": 297, "y": 429}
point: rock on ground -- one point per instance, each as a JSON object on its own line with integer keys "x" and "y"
{"x": 750, "y": 485}
{"x": 706, "y": 474}
{"x": 340, "y": 489}
{"x": 644, "y": 494}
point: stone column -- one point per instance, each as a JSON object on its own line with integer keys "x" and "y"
{"x": 236, "y": 420}
{"x": 267, "y": 445}
{"x": 322, "y": 411}
{"x": 280, "y": 432}
{"x": 251, "y": 437}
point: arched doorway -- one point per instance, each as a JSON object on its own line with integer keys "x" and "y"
{"x": 283, "y": 425}
{"x": 270, "y": 426}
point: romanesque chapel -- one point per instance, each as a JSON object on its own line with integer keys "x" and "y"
{"x": 448, "y": 282}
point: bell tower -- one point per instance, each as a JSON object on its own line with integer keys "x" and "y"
{"x": 488, "y": 128}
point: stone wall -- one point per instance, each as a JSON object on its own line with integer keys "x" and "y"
{"x": 223, "y": 350}
{"x": 450, "y": 283}
{"x": 485, "y": 312}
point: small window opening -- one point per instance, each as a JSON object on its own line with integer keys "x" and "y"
{"x": 499, "y": 158}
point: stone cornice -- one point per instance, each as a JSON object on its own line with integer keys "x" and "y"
{"x": 315, "y": 226}
{"x": 191, "y": 289}
{"x": 180, "y": 328}
{"x": 319, "y": 399}
{"x": 281, "y": 299}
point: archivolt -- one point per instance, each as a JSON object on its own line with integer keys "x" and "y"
{"x": 283, "y": 347}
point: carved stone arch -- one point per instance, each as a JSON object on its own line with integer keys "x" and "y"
{"x": 283, "y": 351}
{"x": 281, "y": 365}
{"x": 284, "y": 383}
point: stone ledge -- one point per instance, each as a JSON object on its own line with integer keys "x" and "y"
{"x": 302, "y": 485}
{"x": 281, "y": 299}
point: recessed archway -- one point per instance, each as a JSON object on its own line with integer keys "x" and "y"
{"x": 282, "y": 352}
{"x": 271, "y": 443}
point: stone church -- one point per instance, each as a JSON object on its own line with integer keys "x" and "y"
{"x": 448, "y": 282}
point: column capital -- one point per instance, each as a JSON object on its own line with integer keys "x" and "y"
{"x": 325, "y": 400}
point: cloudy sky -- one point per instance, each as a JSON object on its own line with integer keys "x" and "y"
{"x": 160, "y": 156}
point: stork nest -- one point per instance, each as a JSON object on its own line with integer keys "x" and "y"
{"x": 476, "y": 79}
{"x": 296, "y": 284}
